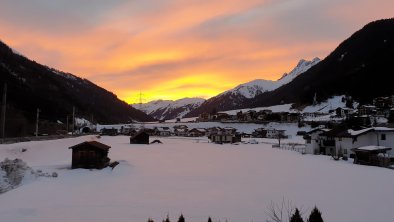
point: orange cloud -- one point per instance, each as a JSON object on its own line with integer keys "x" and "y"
{"x": 174, "y": 49}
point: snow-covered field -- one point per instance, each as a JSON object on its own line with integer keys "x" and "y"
{"x": 190, "y": 176}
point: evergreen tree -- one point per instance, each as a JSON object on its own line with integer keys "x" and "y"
{"x": 209, "y": 219}
{"x": 150, "y": 220}
{"x": 296, "y": 216}
{"x": 167, "y": 219}
{"x": 181, "y": 218}
{"x": 315, "y": 216}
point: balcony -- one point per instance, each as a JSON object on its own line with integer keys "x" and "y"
{"x": 328, "y": 143}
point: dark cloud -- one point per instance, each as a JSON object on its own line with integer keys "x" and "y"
{"x": 58, "y": 16}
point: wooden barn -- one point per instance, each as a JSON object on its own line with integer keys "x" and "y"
{"x": 141, "y": 137}
{"x": 90, "y": 155}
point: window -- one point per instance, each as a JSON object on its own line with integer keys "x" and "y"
{"x": 383, "y": 137}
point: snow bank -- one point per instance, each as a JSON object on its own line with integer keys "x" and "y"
{"x": 14, "y": 173}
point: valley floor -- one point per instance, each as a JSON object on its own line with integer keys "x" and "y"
{"x": 191, "y": 176}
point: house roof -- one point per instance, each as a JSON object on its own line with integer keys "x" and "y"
{"x": 318, "y": 129}
{"x": 139, "y": 133}
{"x": 355, "y": 133}
{"x": 92, "y": 143}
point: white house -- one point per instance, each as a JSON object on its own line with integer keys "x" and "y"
{"x": 314, "y": 141}
{"x": 374, "y": 136}
{"x": 274, "y": 133}
{"x": 342, "y": 141}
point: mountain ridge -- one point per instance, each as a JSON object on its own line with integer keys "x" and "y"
{"x": 32, "y": 85}
{"x": 360, "y": 66}
{"x": 169, "y": 109}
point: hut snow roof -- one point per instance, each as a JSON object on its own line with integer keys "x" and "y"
{"x": 92, "y": 143}
{"x": 372, "y": 148}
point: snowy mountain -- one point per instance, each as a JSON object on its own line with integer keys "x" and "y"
{"x": 302, "y": 66}
{"x": 236, "y": 98}
{"x": 168, "y": 109}
{"x": 359, "y": 67}
{"x": 253, "y": 88}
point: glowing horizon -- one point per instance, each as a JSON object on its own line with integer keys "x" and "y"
{"x": 175, "y": 49}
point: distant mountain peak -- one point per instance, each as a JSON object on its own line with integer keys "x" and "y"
{"x": 302, "y": 66}
{"x": 258, "y": 86}
{"x": 169, "y": 109}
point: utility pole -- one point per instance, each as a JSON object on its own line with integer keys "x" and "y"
{"x": 3, "y": 110}
{"x": 72, "y": 132}
{"x": 67, "y": 124}
{"x": 37, "y": 120}
{"x": 141, "y": 99}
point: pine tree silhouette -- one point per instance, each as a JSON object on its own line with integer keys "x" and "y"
{"x": 296, "y": 217}
{"x": 167, "y": 219}
{"x": 315, "y": 216}
{"x": 181, "y": 218}
{"x": 209, "y": 219}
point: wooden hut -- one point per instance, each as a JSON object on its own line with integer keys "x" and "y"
{"x": 141, "y": 137}
{"x": 372, "y": 155}
{"x": 90, "y": 155}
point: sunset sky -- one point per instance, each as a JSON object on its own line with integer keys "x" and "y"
{"x": 170, "y": 49}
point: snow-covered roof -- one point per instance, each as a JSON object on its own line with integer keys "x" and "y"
{"x": 375, "y": 129}
{"x": 372, "y": 148}
{"x": 358, "y": 132}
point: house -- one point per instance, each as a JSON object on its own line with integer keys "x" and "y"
{"x": 180, "y": 130}
{"x": 366, "y": 110}
{"x": 109, "y": 132}
{"x": 90, "y": 155}
{"x": 259, "y": 133}
{"x": 162, "y": 131}
{"x": 343, "y": 112}
{"x": 142, "y": 137}
{"x": 127, "y": 130}
{"x": 274, "y": 133}
{"x": 350, "y": 139}
{"x": 292, "y": 117}
{"x": 372, "y": 155}
{"x": 197, "y": 132}
{"x": 213, "y": 130}
{"x": 223, "y": 135}
{"x": 204, "y": 117}
{"x": 342, "y": 141}
{"x": 229, "y": 130}
{"x": 311, "y": 116}
{"x": 221, "y": 116}
{"x": 225, "y": 138}
{"x": 314, "y": 142}
{"x": 383, "y": 102}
